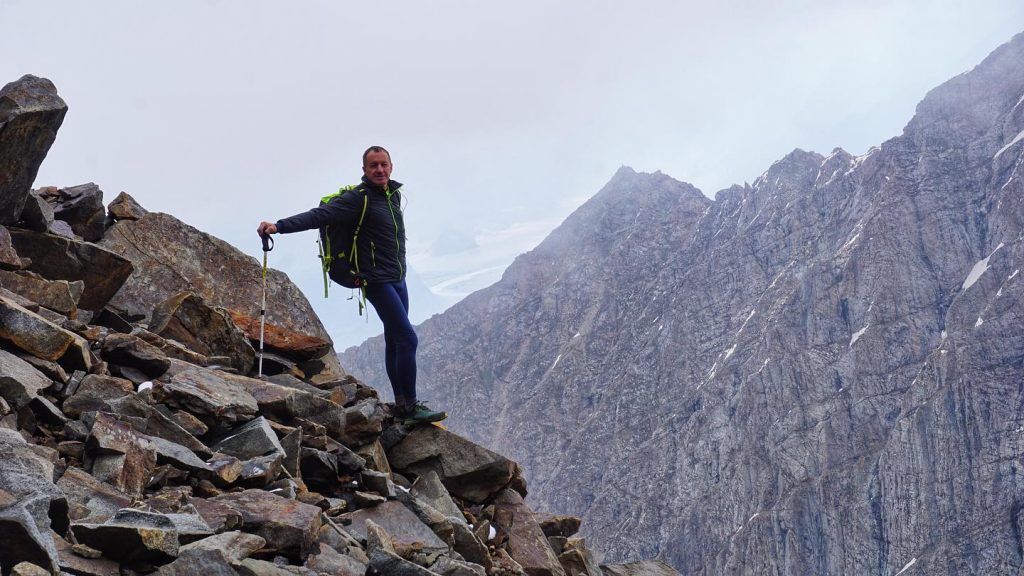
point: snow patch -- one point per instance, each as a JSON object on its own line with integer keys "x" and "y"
{"x": 979, "y": 322}
{"x": 943, "y": 334}
{"x": 856, "y": 335}
{"x": 907, "y": 567}
{"x": 729, "y": 352}
{"x": 1016, "y": 139}
{"x": 556, "y": 362}
{"x": 980, "y": 268}
{"x": 577, "y": 335}
{"x": 1015, "y": 272}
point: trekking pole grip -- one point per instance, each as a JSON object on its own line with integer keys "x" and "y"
{"x": 268, "y": 242}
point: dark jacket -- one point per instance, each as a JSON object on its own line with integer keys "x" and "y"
{"x": 381, "y": 241}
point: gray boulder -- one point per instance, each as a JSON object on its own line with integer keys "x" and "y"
{"x": 30, "y": 504}
{"x": 82, "y": 208}
{"x": 31, "y": 112}
{"x": 40, "y": 337}
{"x": 60, "y": 258}
{"x": 132, "y": 536}
{"x": 466, "y": 469}
{"x": 20, "y": 382}
{"x": 206, "y": 329}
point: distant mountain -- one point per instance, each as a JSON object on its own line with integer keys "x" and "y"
{"x": 818, "y": 373}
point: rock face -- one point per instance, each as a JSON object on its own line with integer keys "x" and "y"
{"x": 30, "y": 115}
{"x": 816, "y": 373}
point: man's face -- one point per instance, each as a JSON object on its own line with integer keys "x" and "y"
{"x": 377, "y": 168}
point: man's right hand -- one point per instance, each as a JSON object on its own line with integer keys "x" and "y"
{"x": 266, "y": 229}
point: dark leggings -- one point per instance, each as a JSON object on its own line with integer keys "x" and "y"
{"x": 391, "y": 301}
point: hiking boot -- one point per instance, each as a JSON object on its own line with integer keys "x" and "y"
{"x": 419, "y": 413}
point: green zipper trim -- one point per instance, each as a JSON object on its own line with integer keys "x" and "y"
{"x": 398, "y": 244}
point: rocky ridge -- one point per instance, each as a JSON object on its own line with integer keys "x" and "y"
{"x": 816, "y": 373}
{"x": 136, "y": 437}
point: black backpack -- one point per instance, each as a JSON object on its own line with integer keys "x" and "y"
{"x": 339, "y": 250}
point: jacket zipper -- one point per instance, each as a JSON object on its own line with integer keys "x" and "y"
{"x": 398, "y": 245}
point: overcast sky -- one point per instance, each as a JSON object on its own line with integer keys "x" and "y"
{"x": 501, "y": 117}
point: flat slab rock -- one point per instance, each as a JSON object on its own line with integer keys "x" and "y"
{"x": 400, "y": 522}
{"x": 289, "y": 526}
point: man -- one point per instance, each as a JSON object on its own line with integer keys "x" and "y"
{"x": 379, "y": 258}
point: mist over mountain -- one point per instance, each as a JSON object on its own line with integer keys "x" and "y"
{"x": 819, "y": 372}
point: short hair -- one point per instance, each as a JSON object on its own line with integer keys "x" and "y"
{"x": 375, "y": 149}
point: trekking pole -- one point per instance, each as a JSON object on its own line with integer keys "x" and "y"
{"x": 268, "y": 245}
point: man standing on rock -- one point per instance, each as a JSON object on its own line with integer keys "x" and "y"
{"x": 373, "y": 208}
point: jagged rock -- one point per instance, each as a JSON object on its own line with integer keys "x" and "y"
{"x": 326, "y": 560}
{"x": 172, "y": 348}
{"x": 643, "y": 568}
{"x": 82, "y": 207}
{"x": 254, "y": 567}
{"x": 205, "y": 393}
{"x": 20, "y": 382}
{"x": 439, "y": 524}
{"x": 467, "y": 470}
{"x": 577, "y": 560}
{"x": 383, "y": 557}
{"x": 131, "y": 536}
{"x": 218, "y": 516}
{"x": 287, "y": 404}
{"x": 40, "y": 337}
{"x": 150, "y": 421}
{"x": 29, "y": 504}
{"x": 31, "y": 112}
{"x": 292, "y": 445}
{"x": 89, "y": 499}
{"x": 189, "y": 423}
{"x": 59, "y": 258}
{"x": 319, "y": 469}
{"x": 378, "y": 482}
{"x": 235, "y": 545}
{"x": 94, "y": 392}
{"x": 73, "y": 560}
{"x": 466, "y": 543}
{"x": 292, "y": 344}
{"x": 132, "y": 351}
{"x": 232, "y": 281}
{"x": 339, "y": 539}
{"x": 557, "y": 524}
{"x": 40, "y": 411}
{"x": 57, "y": 295}
{"x": 124, "y": 207}
{"x": 226, "y": 469}
{"x": 400, "y": 522}
{"x": 290, "y": 527}
{"x": 252, "y": 439}
{"x": 190, "y": 527}
{"x": 62, "y": 229}
{"x": 208, "y": 330}
{"x": 51, "y": 370}
{"x": 116, "y": 454}
{"x": 205, "y": 561}
{"x": 28, "y": 569}
{"x": 375, "y": 456}
{"x": 527, "y": 544}
{"x": 428, "y": 488}
{"x": 9, "y": 259}
{"x": 363, "y": 422}
{"x": 446, "y": 566}
{"x": 176, "y": 455}
{"x": 37, "y": 214}
{"x": 260, "y": 471}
